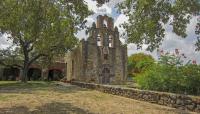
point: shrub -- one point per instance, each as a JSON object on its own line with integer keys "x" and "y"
{"x": 139, "y": 63}
{"x": 171, "y": 75}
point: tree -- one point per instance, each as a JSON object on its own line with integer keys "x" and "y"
{"x": 41, "y": 28}
{"x": 148, "y": 17}
{"x": 138, "y": 63}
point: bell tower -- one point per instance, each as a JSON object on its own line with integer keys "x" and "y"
{"x": 106, "y": 38}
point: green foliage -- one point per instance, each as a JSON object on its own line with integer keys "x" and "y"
{"x": 10, "y": 58}
{"x": 139, "y": 63}
{"x": 148, "y": 17}
{"x": 41, "y": 28}
{"x": 171, "y": 75}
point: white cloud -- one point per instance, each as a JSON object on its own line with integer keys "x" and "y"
{"x": 104, "y": 9}
{"x": 4, "y": 41}
{"x": 185, "y": 45}
{"x": 120, "y": 20}
{"x": 113, "y": 3}
{"x": 81, "y": 34}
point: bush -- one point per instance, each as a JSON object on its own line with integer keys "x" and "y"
{"x": 171, "y": 75}
{"x": 185, "y": 79}
{"x": 139, "y": 63}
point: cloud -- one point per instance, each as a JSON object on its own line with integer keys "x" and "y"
{"x": 104, "y": 9}
{"x": 81, "y": 34}
{"x": 4, "y": 41}
{"x": 185, "y": 45}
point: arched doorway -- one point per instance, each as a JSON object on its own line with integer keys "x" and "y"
{"x": 10, "y": 74}
{"x": 55, "y": 75}
{"x": 105, "y": 76}
{"x": 34, "y": 74}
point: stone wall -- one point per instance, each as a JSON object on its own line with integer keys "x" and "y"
{"x": 183, "y": 102}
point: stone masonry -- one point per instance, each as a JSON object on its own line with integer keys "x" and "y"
{"x": 101, "y": 58}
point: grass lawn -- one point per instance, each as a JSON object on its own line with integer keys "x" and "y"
{"x": 51, "y": 98}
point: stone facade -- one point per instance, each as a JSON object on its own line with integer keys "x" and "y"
{"x": 183, "y": 102}
{"x": 101, "y": 58}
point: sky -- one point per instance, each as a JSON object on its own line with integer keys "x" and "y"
{"x": 170, "y": 43}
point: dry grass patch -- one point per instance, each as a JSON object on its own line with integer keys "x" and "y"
{"x": 51, "y": 98}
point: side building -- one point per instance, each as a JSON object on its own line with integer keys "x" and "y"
{"x": 53, "y": 72}
{"x": 101, "y": 58}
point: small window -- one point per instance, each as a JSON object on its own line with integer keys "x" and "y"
{"x": 99, "y": 40}
{"x": 110, "y": 41}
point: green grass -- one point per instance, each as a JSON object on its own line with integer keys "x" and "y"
{"x": 7, "y": 97}
{"x": 19, "y": 85}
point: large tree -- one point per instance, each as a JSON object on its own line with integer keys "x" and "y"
{"x": 39, "y": 28}
{"x": 147, "y": 19}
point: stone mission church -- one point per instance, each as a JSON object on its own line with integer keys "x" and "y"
{"x": 101, "y": 58}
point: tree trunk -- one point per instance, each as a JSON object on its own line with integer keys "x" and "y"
{"x": 24, "y": 76}
{"x": 26, "y": 66}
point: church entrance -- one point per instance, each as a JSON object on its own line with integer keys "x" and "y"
{"x": 105, "y": 76}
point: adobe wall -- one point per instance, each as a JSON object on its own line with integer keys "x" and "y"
{"x": 74, "y": 63}
{"x": 183, "y": 102}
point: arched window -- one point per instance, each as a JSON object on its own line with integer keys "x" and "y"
{"x": 99, "y": 40}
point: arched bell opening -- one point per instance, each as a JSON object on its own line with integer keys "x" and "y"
{"x": 99, "y": 42}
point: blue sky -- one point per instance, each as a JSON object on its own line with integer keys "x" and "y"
{"x": 171, "y": 42}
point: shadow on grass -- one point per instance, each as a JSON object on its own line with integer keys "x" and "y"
{"x": 49, "y": 108}
{"x": 30, "y": 87}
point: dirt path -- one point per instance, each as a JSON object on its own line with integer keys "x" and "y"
{"x": 56, "y": 99}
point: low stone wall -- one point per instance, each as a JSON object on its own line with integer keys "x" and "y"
{"x": 183, "y": 102}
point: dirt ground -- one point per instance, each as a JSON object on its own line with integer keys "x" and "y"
{"x": 51, "y": 98}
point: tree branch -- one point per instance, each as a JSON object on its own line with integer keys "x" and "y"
{"x": 35, "y": 58}
{"x": 30, "y": 48}
{"x": 11, "y": 65}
